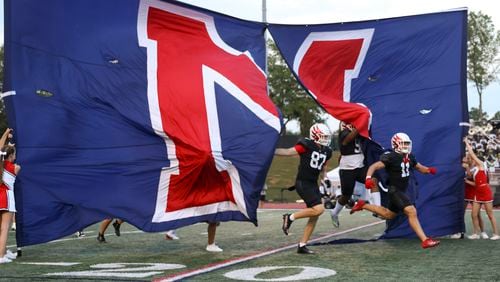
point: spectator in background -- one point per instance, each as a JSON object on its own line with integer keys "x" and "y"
{"x": 7, "y": 202}
{"x": 104, "y": 225}
{"x": 211, "y": 230}
{"x": 211, "y": 246}
{"x": 483, "y": 194}
{"x": 470, "y": 194}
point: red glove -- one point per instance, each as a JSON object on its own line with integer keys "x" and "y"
{"x": 369, "y": 184}
{"x": 432, "y": 170}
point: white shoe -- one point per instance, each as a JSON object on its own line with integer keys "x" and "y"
{"x": 13, "y": 228}
{"x": 474, "y": 236}
{"x": 10, "y": 255}
{"x": 495, "y": 237}
{"x": 170, "y": 235}
{"x": 213, "y": 248}
{"x": 484, "y": 235}
{"x": 456, "y": 236}
{"x": 79, "y": 234}
{"x": 4, "y": 259}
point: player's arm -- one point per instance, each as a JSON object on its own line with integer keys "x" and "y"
{"x": 424, "y": 169}
{"x": 476, "y": 160}
{"x": 369, "y": 182}
{"x": 348, "y": 139}
{"x": 374, "y": 167}
{"x": 287, "y": 152}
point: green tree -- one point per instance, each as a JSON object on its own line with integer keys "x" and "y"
{"x": 483, "y": 44}
{"x": 476, "y": 115}
{"x": 496, "y": 116}
{"x": 288, "y": 95}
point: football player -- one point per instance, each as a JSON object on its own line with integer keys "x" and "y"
{"x": 352, "y": 168}
{"x": 314, "y": 154}
{"x": 399, "y": 164}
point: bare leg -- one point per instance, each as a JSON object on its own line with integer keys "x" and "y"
{"x": 489, "y": 211}
{"x": 5, "y": 220}
{"x": 411, "y": 213}
{"x": 212, "y": 227}
{"x": 104, "y": 225}
{"x": 308, "y": 230}
{"x": 317, "y": 210}
{"x": 380, "y": 210}
{"x": 480, "y": 219}
{"x": 475, "y": 217}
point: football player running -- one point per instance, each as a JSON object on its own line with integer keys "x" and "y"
{"x": 352, "y": 168}
{"x": 314, "y": 153}
{"x": 399, "y": 164}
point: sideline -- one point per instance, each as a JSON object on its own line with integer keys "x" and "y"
{"x": 222, "y": 264}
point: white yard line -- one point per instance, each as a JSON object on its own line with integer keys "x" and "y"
{"x": 86, "y": 237}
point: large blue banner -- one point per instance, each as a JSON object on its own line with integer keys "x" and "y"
{"x": 149, "y": 111}
{"x": 410, "y": 72}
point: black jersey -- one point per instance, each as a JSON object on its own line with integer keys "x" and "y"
{"x": 351, "y": 148}
{"x": 399, "y": 168}
{"x": 312, "y": 160}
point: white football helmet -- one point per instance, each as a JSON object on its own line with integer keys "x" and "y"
{"x": 401, "y": 143}
{"x": 320, "y": 133}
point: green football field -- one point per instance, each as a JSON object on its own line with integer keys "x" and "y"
{"x": 260, "y": 253}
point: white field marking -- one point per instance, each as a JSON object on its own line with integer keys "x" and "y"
{"x": 52, "y": 263}
{"x": 86, "y": 237}
{"x": 307, "y": 273}
{"x": 234, "y": 261}
{"x": 123, "y": 270}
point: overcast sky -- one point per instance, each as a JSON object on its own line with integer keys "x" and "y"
{"x": 331, "y": 11}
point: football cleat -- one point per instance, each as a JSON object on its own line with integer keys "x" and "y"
{"x": 286, "y": 223}
{"x": 304, "y": 250}
{"x": 358, "y": 206}
{"x": 100, "y": 238}
{"x": 429, "y": 243}
{"x": 117, "y": 225}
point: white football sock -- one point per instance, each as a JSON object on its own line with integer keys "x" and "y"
{"x": 376, "y": 198}
{"x": 337, "y": 209}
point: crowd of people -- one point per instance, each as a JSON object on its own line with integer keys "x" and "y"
{"x": 485, "y": 141}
